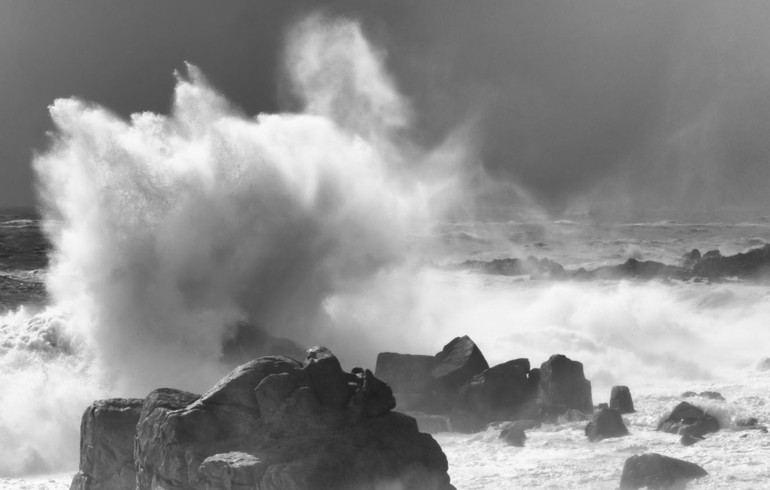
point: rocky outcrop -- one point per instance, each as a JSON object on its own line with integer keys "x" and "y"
{"x": 690, "y": 420}
{"x": 107, "y": 445}
{"x": 751, "y": 265}
{"x": 658, "y": 472}
{"x": 754, "y": 264}
{"x": 620, "y": 399}
{"x": 272, "y": 423}
{"x": 458, "y": 362}
{"x": 606, "y": 423}
{"x": 502, "y": 392}
{"x": 410, "y": 378}
{"x": 563, "y": 386}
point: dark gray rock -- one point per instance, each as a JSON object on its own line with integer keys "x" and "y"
{"x": 658, "y": 472}
{"x": 689, "y": 440}
{"x": 620, "y": 399}
{"x": 689, "y": 419}
{"x": 563, "y": 386}
{"x": 405, "y": 373}
{"x": 274, "y": 423}
{"x": 498, "y": 393}
{"x": 231, "y": 471}
{"x": 606, "y": 423}
{"x": 329, "y": 382}
{"x": 154, "y": 409}
{"x": 107, "y": 431}
{"x": 458, "y": 362}
{"x": 754, "y": 264}
{"x": 711, "y": 395}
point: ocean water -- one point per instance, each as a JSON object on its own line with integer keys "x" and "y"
{"x": 161, "y": 232}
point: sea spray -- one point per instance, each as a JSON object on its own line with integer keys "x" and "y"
{"x": 173, "y": 229}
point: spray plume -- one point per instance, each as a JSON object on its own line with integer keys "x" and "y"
{"x": 169, "y": 230}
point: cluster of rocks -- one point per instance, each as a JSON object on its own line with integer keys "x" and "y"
{"x": 457, "y": 383}
{"x": 272, "y": 423}
{"x": 711, "y": 266}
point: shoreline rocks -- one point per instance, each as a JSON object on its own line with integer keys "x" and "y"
{"x": 271, "y": 423}
{"x": 653, "y": 470}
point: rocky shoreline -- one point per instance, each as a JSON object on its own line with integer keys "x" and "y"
{"x": 277, "y": 423}
{"x": 753, "y": 265}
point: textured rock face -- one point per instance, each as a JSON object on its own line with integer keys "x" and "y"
{"x": 457, "y": 363}
{"x": 689, "y": 420}
{"x": 285, "y": 425}
{"x": 658, "y": 472}
{"x": 606, "y": 423}
{"x": 107, "y": 445}
{"x": 499, "y": 393}
{"x": 563, "y": 385}
{"x": 620, "y": 399}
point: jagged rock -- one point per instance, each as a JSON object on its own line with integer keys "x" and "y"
{"x": 753, "y": 264}
{"x": 231, "y": 471}
{"x": 563, "y": 386}
{"x": 658, "y": 472}
{"x": 606, "y": 423}
{"x": 154, "y": 409}
{"x": 498, "y": 393}
{"x": 457, "y": 363}
{"x": 431, "y": 424}
{"x": 274, "y": 423}
{"x": 107, "y": 431}
{"x": 637, "y": 269}
{"x": 513, "y": 435}
{"x": 689, "y": 419}
{"x": 620, "y": 399}
{"x": 327, "y": 379}
{"x": 691, "y": 258}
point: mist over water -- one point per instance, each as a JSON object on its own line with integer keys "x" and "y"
{"x": 321, "y": 226}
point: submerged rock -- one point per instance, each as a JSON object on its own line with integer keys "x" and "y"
{"x": 513, "y": 435}
{"x": 606, "y": 423}
{"x": 658, "y": 472}
{"x": 689, "y": 419}
{"x": 620, "y": 399}
{"x": 107, "y": 445}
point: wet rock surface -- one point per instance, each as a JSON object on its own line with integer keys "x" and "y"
{"x": 655, "y": 471}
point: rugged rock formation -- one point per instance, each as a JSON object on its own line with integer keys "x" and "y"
{"x": 563, "y": 386}
{"x": 620, "y": 399}
{"x": 458, "y": 362}
{"x": 502, "y": 392}
{"x": 410, "y": 378}
{"x": 107, "y": 445}
{"x": 658, "y": 472}
{"x": 272, "y": 423}
{"x": 606, "y": 423}
{"x": 752, "y": 265}
{"x": 689, "y": 419}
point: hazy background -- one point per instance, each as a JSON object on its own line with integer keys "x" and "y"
{"x": 617, "y": 108}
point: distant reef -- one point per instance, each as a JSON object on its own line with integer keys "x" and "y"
{"x": 693, "y": 266}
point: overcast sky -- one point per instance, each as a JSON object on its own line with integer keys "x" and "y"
{"x": 597, "y": 105}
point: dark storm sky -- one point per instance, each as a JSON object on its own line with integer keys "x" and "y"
{"x": 609, "y": 106}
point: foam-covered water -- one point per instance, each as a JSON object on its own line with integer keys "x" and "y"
{"x": 326, "y": 226}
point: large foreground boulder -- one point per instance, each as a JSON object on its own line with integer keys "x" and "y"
{"x": 654, "y": 471}
{"x": 563, "y": 386}
{"x": 107, "y": 445}
{"x": 687, "y": 419}
{"x": 275, "y": 423}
